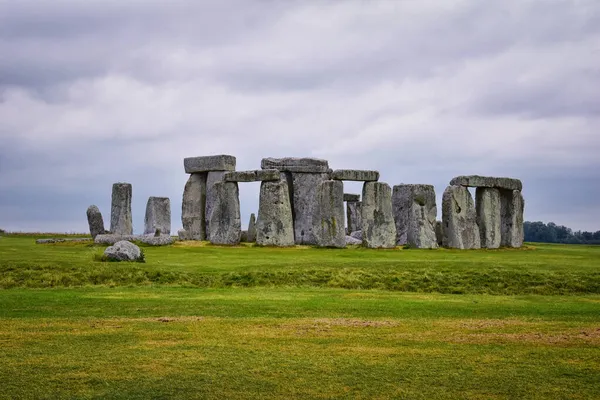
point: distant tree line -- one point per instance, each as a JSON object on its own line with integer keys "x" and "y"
{"x": 552, "y": 233}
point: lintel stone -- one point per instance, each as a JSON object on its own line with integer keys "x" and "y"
{"x": 209, "y": 163}
{"x": 292, "y": 164}
{"x": 252, "y": 176}
{"x": 355, "y": 175}
{"x": 351, "y": 197}
{"x": 487, "y": 181}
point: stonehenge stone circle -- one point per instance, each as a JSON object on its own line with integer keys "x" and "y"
{"x": 209, "y": 163}
{"x": 512, "y": 205}
{"x": 275, "y": 226}
{"x": 251, "y": 236}
{"x": 354, "y": 216}
{"x": 487, "y": 204}
{"x": 378, "y": 230}
{"x": 331, "y": 231}
{"x": 95, "y": 221}
{"x": 158, "y": 216}
{"x": 193, "y": 207}
{"x": 415, "y": 213}
{"x": 120, "y": 211}
{"x": 355, "y": 175}
{"x": 459, "y": 219}
{"x": 225, "y": 223}
{"x": 487, "y": 181}
{"x": 252, "y": 176}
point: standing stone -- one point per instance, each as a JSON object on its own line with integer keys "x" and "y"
{"x": 193, "y": 208}
{"x": 379, "y": 230}
{"x": 330, "y": 198}
{"x": 487, "y": 203}
{"x": 439, "y": 233}
{"x": 304, "y": 202}
{"x": 225, "y": 224}
{"x": 512, "y": 207}
{"x": 95, "y": 221}
{"x": 211, "y": 195}
{"x": 459, "y": 219}
{"x": 158, "y": 216}
{"x": 274, "y": 226}
{"x": 415, "y": 214}
{"x": 354, "y": 216}
{"x": 251, "y": 237}
{"x": 120, "y": 212}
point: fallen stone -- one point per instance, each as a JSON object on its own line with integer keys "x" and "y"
{"x": 304, "y": 203}
{"x": 330, "y": 198}
{"x": 258, "y": 175}
{"x": 487, "y": 181}
{"x": 193, "y": 207}
{"x": 512, "y": 207}
{"x": 158, "y": 216}
{"x": 487, "y": 204}
{"x": 252, "y": 229}
{"x": 209, "y": 163}
{"x": 378, "y": 230}
{"x": 120, "y": 212}
{"x": 355, "y": 175}
{"x": 292, "y": 164}
{"x": 123, "y": 251}
{"x": 415, "y": 213}
{"x": 211, "y": 178}
{"x": 439, "y": 233}
{"x": 274, "y": 226}
{"x": 357, "y": 235}
{"x": 354, "y": 216}
{"x": 62, "y": 240}
{"x": 459, "y": 219}
{"x": 352, "y": 241}
{"x": 95, "y": 221}
{"x": 350, "y": 197}
{"x": 151, "y": 240}
{"x": 225, "y": 223}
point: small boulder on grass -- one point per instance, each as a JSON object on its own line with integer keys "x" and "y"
{"x": 124, "y": 251}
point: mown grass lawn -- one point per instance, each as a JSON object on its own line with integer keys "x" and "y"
{"x": 248, "y": 322}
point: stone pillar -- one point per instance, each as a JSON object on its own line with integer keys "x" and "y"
{"x": 193, "y": 207}
{"x": 487, "y": 203}
{"x": 354, "y": 216}
{"x": 252, "y": 229}
{"x": 330, "y": 201}
{"x": 120, "y": 212}
{"x": 212, "y": 178}
{"x": 274, "y": 226}
{"x": 439, "y": 233}
{"x": 158, "y": 216}
{"x": 378, "y": 228}
{"x": 415, "y": 215}
{"x": 95, "y": 221}
{"x": 512, "y": 206}
{"x": 459, "y": 219}
{"x": 225, "y": 224}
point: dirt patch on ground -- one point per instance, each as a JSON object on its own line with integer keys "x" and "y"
{"x": 586, "y": 335}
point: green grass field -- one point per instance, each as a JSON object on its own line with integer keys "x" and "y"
{"x": 198, "y": 321}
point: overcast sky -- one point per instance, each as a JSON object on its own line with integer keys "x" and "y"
{"x": 97, "y": 92}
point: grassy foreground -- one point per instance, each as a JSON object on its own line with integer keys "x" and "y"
{"x": 207, "y": 322}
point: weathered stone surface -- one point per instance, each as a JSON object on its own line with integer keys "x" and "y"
{"x": 330, "y": 197}
{"x": 487, "y": 181}
{"x": 459, "y": 219}
{"x": 415, "y": 214}
{"x": 182, "y": 234}
{"x": 439, "y": 233}
{"x": 252, "y": 176}
{"x": 158, "y": 216}
{"x": 352, "y": 241}
{"x": 274, "y": 226}
{"x": 225, "y": 224}
{"x": 193, "y": 207}
{"x": 252, "y": 229}
{"x": 120, "y": 212}
{"x": 95, "y": 221}
{"x": 151, "y": 240}
{"x": 487, "y": 203}
{"x": 350, "y": 197}
{"x": 209, "y": 163}
{"x": 123, "y": 251}
{"x": 211, "y": 178}
{"x": 244, "y": 237}
{"x": 355, "y": 175}
{"x": 354, "y": 216}
{"x": 292, "y": 164}
{"x": 378, "y": 230}
{"x": 304, "y": 204}
{"x": 357, "y": 235}
{"x": 512, "y": 207}
{"x": 62, "y": 240}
